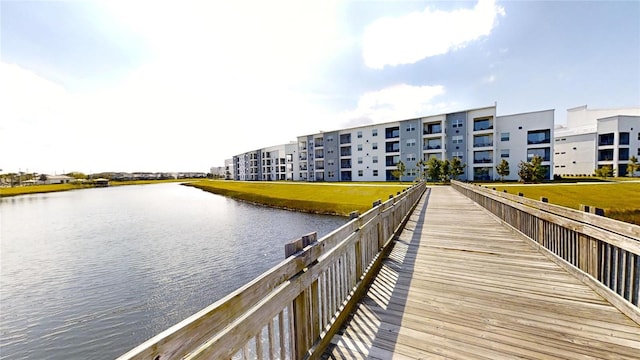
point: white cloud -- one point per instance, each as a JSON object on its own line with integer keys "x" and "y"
{"x": 394, "y": 103}
{"x": 411, "y": 38}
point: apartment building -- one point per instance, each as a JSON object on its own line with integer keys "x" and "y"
{"x": 229, "y": 171}
{"x": 267, "y": 164}
{"x": 477, "y": 137}
{"x": 593, "y": 138}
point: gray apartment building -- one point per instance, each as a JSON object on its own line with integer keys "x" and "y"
{"x": 478, "y": 137}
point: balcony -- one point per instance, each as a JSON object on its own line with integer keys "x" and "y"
{"x": 483, "y": 124}
{"x": 606, "y": 139}
{"x": 482, "y": 144}
{"x": 539, "y": 137}
{"x": 319, "y": 144}
{"x": 482, "y": 161}
{"x": 430, "y": 129}
{"x": 345, "y": 151}
{"x": 392, "y": 133}
{"x": 345, "y": 164}
{"x": 432, "y": 147}
{"x": 392, "y": 146}
{"x": 345, "y": 139}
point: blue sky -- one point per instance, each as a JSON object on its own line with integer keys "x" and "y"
{"x": 117, "y": 85}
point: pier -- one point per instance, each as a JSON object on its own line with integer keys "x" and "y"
{"x": 456, "y": 272}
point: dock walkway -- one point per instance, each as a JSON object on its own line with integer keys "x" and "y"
{"x": 460, "y": 285}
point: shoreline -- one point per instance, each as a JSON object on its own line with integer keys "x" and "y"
{"x": 6, "y": 192}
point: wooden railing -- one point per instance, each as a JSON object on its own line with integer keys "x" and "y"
{"x": 292, "y": 310}
{"x": 602, "y": 252}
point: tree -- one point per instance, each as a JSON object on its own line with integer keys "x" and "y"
{"x": 531, "y": 171}
{"x": 43, "y": 177}
{"x": 421, "y": 168}
{"x": 401, "y": 168}
{"x": 604, "y": 172}
{"x": 632, "y": 166}
{"x": 457, "y": 168}
{"x": 503, "y": 169}
{"x": 445, "y": 170}
{"x": 434, "y": 168}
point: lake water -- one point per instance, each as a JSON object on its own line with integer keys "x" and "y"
{"x": 90, "y": 274}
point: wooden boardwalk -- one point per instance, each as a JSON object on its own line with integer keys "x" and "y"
{"x": 459, "y": 285}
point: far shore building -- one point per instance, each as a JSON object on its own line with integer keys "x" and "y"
{"x": 593, "y": 138}
{"x": 228, "y": 169}
{"x": 273, "y": 163}
{"x": 478, "y": 137}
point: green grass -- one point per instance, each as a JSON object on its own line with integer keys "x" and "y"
{"x": 35, "y": 189}
{"x": 322, "y": 198}
{"x": 620, "y": 200}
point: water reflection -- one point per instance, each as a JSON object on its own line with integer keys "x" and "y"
{"x": 92, "y": 273}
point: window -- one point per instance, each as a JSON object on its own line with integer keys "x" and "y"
{"x": 482, "y": 157}
{"x": 482, "y": 141}
{"x": 482, "y": 173}
{"x": 624, "y": 138}
{"x": 329, "y": 137}
{"x": 393, "y": 146}
{"x": 374, "y": 146}
{"x": 345, "y": 138}
{"x": 331, "y": 162}
{"x": 457, "y": 154}
{"x": 359, "y": 160}
{"x": 482, "y": 124}
{"x": 360, "y": 172}
{"x": 544, "y": 153}
{"x": 504, "y": 136}
{"x": 374, "y": 132}
{"x": 359, "y": 134}
{"x": 375, "y": 172}
{"x": 392, "y": 160}
{"x": 375, "y": 159}
{"x": 345, "y": 151}
{"x": 432, "y": 129}
{"x": 539, "y": 137}
{"x": 411, "y": 157}
{"x": 623, "y": 154}
{"x": 605, "y": 139}
{"x": 431, "y": 144}
{"x": 457, "y": 123}
{"x": 411, "y": 142}
{"x": 411, "y": 127}
{"x": 330, "y": 151}
{"x": 504, "y": 153}
{"x": 392, "y": 132}
{"x": 331, "y": 174}
{"x": 359, "y": 147}
{"x": 457, "y": 139}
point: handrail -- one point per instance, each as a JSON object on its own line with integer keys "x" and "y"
{"x": 602, "y": 252}
{"x": 292, "y": 310}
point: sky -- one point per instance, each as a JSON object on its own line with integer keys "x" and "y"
{"x": 114, "y": 85}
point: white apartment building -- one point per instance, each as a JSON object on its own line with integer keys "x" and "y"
{"x": 477, "y": 136}
{"x": 273, "y": 163}
{"x": 229, "y": 170}
{"x": 594, "y": 138}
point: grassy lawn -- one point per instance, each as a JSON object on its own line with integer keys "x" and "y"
{"x": 35, "y": 189}
{"x": 620, "y": 200}
{"x": 325, "y": 198}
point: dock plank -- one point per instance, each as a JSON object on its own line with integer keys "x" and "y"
{"x": 460, "y": 285}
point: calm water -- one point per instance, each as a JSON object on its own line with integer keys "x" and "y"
{"x": 90, "y": 274}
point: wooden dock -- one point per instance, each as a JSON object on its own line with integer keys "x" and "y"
{"x": 460, "y": 285}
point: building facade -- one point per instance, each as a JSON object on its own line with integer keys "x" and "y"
{"x": 274, "y": 163}
{"x": 478, "y": 137}
{"x": 593, "y": 138}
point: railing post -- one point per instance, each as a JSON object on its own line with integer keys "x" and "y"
{"x": 305, "y": 315}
